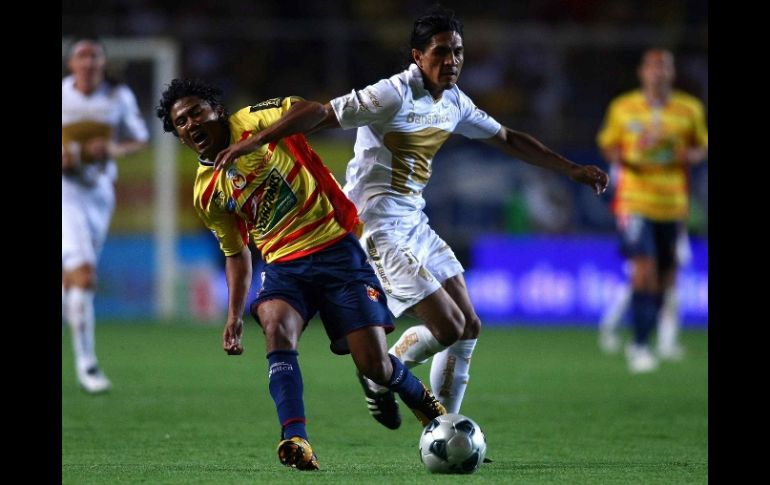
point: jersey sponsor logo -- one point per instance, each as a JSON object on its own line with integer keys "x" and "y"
{"x": 373, "y": 294}
{"x": 428, "y": 119}
{"x": 269, "y": 103}
{"x": 269, "y": 203}
{"x": 373, "y": 98}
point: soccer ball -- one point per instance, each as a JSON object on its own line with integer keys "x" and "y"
{"x": 452, "y": 443}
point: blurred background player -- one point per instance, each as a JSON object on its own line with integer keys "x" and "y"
{"x": 282, "y": 196}
{"x": 402, "y": 121}
{"x": 651, "y": 136}
{"x": 94, "y": 110}
{"x": 668, "y": 346}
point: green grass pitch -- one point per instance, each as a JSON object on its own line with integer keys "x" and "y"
{"x": 554, "y": 409}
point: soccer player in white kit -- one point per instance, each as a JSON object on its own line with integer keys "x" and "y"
{"x": 93, "y": 111}
{"x": 402, "y": 121}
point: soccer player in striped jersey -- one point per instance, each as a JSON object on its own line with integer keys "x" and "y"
{"x": 283, "y": 198}
{"x": 93, "y": 111}
{"x": 651, "y": 136}
{"x": 402, "y": 121}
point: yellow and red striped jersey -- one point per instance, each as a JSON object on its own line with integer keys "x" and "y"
{"x": 281, "y": 196}
{"x": 652, "y": 182}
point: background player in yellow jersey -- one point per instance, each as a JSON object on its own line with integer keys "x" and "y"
{"x": 402, "y": 122}
{"x": 651, "y": 136}
{"x": 93, "y": 110}
{"x": 286, "y": 201}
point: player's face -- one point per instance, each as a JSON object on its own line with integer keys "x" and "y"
{"x": 198, "y": 126}
{"x": 87, "y": 62}
{"x": 657, "y": 69}
{"x": 441, "y": 61}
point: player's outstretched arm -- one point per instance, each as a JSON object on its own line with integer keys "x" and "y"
{"x": 303, "y": 117}
{"x": 238, "y": 274}
{"x": 525, "y": 147}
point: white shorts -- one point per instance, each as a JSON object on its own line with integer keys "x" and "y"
{"x": 86, "y": 211}
{"x": 409, "y": 258}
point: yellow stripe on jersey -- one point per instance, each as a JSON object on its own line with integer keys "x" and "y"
{"x": 651, "y": 141}
{"x": 81, "y": 132}
{"x": 266, "y": 194}
{"x": 412, "y": 152}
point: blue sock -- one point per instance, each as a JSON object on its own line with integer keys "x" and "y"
{"x": 286, "y": 389}
{"x": 644, "y": 311}
{"x": 405, "y": 383}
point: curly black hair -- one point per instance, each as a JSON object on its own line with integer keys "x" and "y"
{"x": 182, "y": 88}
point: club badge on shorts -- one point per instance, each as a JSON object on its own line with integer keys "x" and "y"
{"x": 373, "y": 294}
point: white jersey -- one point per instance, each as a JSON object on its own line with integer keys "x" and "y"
{"x": 101, "y": 114}
{"x": 400, "y": 129}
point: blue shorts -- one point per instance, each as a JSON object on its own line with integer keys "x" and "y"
{"x": 337, "y": 282}
{"x": 640, "y": 236}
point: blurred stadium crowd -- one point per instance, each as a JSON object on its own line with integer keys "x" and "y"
{"x": 548, "y": 67}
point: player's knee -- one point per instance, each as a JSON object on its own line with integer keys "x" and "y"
{"x": 472, "y": 327}
{"x": 451, "y": 328}
{"x": 278, "y": 336}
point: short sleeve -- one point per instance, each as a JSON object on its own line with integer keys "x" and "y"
{"x": 475, "y": 122}
{"x": 377, "y": 102}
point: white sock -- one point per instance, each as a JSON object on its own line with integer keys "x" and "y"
{"x": 612, "y": 317}
{"x": 415, "y": 346}
{"x": 449, "y": 374}
{"x": 668, "y": 320}
{"x": 80, "y": 317}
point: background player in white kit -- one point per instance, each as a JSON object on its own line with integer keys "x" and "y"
{"x": 93, "y": 111}
{"x": 402, "y": 121}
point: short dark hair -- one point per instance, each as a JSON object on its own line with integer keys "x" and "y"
{"x": 182, "y": 88}
{"x": 435, "y": 20}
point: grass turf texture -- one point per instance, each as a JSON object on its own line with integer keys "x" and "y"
{"x": 554, "y": 409}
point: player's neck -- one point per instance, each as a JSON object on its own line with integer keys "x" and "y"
{"x": 657, "y": 96}
{"x": 87, "y": 86}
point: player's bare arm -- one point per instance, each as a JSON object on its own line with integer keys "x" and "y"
{"x": 525, "y": 147}
{"x": 302, "y": 117}
{"x": 238, "y": 274}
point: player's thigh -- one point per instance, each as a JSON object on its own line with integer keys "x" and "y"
{"x": 284, "y": 304}
{"x": 439, "y": 312}
{"x": 404, "y": 258}
{"x": 281, "y": 323}
{"x": 77, "y": 239}
{"x": 350, "y": 296}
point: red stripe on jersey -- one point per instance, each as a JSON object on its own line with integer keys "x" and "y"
{"x": 294, "y": 171}
{"x": 299, "y": 233}
{"x": 305, "y": 252}
{"x": 206, "y": 197}
{"x": 308, "y": 203}
{"x": 344, "y": 211}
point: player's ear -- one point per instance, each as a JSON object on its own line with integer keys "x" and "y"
{"x": 220, "y": 110}
{"x": 417, "y": 57}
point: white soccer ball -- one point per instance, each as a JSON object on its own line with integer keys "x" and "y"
{"x": 452, "y": 443}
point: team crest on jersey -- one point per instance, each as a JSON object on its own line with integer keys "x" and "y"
{"x": 236, "y": 178}
{"x": 373, "y": 294}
